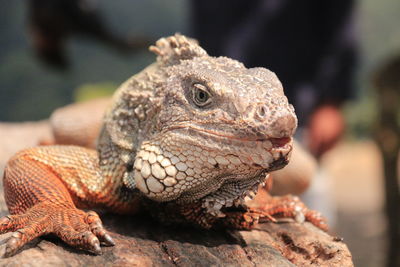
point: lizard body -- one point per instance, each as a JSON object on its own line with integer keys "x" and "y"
{"x": 189, "y": 139}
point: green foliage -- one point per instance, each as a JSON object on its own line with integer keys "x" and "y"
{"x": 90, "y": 91}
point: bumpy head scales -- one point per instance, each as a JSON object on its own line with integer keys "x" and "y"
{"x": 173, "y": 49}
{"x": 220, "y": 128}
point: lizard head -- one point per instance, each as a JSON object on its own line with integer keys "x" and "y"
{"x": 221, "y": 127}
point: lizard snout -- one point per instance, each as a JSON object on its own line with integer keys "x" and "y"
{"x": 283, "y": 126}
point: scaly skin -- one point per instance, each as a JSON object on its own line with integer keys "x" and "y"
{"x": 46, "y": 186}
{"x": 190, "y": 138}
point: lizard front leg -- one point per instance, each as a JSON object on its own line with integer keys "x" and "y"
{"x": 276, "y": 207}
{"x": 44, "y": 186}
{"x": 262, "y": 208}
{"x": 265, "y": 207}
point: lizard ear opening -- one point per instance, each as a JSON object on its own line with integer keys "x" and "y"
{"x": 173, "y": 49}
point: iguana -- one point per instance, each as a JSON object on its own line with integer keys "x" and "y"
{"x": 188, "y": 139}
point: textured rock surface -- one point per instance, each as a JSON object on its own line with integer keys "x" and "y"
{"x": 143, "y": 242}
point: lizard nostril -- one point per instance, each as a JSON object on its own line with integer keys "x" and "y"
{"x": 261, "y": 112}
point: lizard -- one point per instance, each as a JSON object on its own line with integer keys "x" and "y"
{"x": 189, "y": 139}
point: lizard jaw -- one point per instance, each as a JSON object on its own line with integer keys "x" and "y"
{"x": 186, "y": 167}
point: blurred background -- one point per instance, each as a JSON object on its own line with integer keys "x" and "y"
{"x": 54, "y": 54}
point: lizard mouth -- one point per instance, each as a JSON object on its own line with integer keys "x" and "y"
{"x": 278, "y": 147}
{"x": 278, "y": 144}
{"x": 256, "y": 150}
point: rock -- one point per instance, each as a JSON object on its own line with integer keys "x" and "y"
{"x": 142, "y": 241}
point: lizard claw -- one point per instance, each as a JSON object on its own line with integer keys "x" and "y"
{"x": 75, "y": 227}
{"x": 97, "y": 249}
{"x": 107, "y": 240}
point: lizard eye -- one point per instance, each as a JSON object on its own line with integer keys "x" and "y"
{"x": 200, "y": 95}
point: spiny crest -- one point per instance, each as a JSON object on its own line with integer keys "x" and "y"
{"x": 173, "y": 49}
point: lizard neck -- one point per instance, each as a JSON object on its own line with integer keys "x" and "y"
{"x": 115, "y": 166}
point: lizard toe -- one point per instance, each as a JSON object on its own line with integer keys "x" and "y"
{"x": 96, "y": 226}
{"x": 84, "y": 240}
{"x": 91, "y": 242}
{"x": 103, "y": 236}
{"x": 79, "y": 229}
{"x": 23, "y": 236}
{"x": 11, "y": 223}
{"x": 317, "y": 219}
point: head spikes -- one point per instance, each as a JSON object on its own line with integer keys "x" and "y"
{"x": 173, "y": 49}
